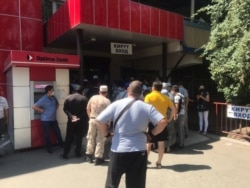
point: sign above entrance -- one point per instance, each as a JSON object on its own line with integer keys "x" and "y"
{"x": 121, "y": 48}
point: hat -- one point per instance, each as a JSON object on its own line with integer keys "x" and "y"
{"x": 164, "y": 84}
{"x": 103, "y": 88}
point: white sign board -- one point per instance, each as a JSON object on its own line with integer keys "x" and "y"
{"x": 121, "y": 48}
{"x": 238, "y": 112}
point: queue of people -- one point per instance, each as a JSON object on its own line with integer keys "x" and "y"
{"x": 140, "y": 117}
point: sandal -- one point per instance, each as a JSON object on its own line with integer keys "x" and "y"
{"x": 158, "y": 165}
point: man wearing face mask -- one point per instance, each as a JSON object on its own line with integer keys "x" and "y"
{"x": 203, "y": 99}
{"x": 47, "y": 106}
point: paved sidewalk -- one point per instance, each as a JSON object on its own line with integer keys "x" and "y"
{"x": 206, "y": 161}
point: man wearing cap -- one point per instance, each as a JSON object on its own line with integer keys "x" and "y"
{"x": 166, "y": 89}
{"x": 77, "y": 125}
{"x": 95, "y": 140}
{"x": 128, "y": 153}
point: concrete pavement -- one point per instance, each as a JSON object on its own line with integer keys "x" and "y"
{"x": 206, "y": 161}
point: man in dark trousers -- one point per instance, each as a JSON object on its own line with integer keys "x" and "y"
{"x": 47, "y": 106}
{"x": 77, "y": 125}
{"x": 128, "y": 153}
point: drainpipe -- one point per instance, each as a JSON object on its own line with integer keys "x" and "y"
{"x": 79, "y": 41}
{"x": 164, "y": 61}
{"x": 192, "y": 10}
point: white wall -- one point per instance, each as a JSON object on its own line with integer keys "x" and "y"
{"x": 61, "y": 92}
{"x": 18, "y": 91}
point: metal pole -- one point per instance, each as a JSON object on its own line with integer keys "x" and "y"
{"x": 164, "y": 61}
{"x": 192, "y": 10}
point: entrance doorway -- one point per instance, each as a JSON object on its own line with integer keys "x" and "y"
{"x": 93, "y": 66}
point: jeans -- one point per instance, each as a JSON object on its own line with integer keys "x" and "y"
{"x": 203, "y": 118}
{"x": 47, "y": 125}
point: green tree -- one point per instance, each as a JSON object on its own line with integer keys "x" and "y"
{"x": 228, "y": 48}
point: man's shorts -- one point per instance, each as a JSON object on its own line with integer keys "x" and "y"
{"x": 163, "y": 136}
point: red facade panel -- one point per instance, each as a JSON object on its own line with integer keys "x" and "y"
{"x": 145, "y": 19}
{"x": 42, "y": 73}
{"x": 32, "y": 35}
{"x": 155, "y": 21}
{"x": 100, "y": 13}
{"x": 164, "y": 24}
{"x": 171, "y": 25}
{"x": 179, "y": 28}
{"x": 113, "y": 19}
{"x": 9, "y": 33}
{"x": 74, "y": 12}
{"x": 119, "y": 14}
{"x": 87, "y": 14}
{"x": 3, "y": 56}
{"x": 124, "y": 15}
{"x": 31, "y": 9}
{"x": 37, "y": 134}
{"x": 9, "y": 7}
{"x": 135, "y": 17}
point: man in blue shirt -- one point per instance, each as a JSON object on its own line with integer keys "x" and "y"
{"x": 128, "y": 150}
{"x": 47, "y": 106}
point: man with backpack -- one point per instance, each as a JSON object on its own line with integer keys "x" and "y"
{"x": 179, "y": 101}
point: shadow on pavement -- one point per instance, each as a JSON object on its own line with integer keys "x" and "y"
{"x": 184, "y": 167}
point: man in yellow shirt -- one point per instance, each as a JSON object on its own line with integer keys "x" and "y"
{"x": 161, "y": 102}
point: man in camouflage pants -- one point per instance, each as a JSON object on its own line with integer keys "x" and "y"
{"x": 95, "y": 139}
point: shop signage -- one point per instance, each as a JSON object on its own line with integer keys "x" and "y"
{"x": 42, "y": 59}
{"x": 121, "y": 48}
{"x": 238, "y": 112}
{"x": 46, "y": 58}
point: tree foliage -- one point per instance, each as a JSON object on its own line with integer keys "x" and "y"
{"x": 228, "y": 48}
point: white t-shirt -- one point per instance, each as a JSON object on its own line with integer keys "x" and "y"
{"x": 3, "y": 106}
{"x": 177, "y": 99}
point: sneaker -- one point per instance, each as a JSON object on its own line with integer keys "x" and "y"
{"x": 199, "y": 131}
{"x": 167, "y": 149}
{"x": 62, "y": 156}
{"x": 99, "y": 161}
{"x": 158, "y": 165}
{"x": 204, "y": 133}
{"x": 89, "y": 158}
{"x": 78, "y": 155}
{"x": 49, "y": 151}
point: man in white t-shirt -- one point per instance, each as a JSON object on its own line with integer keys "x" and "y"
{"x": 179, "y": 101}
